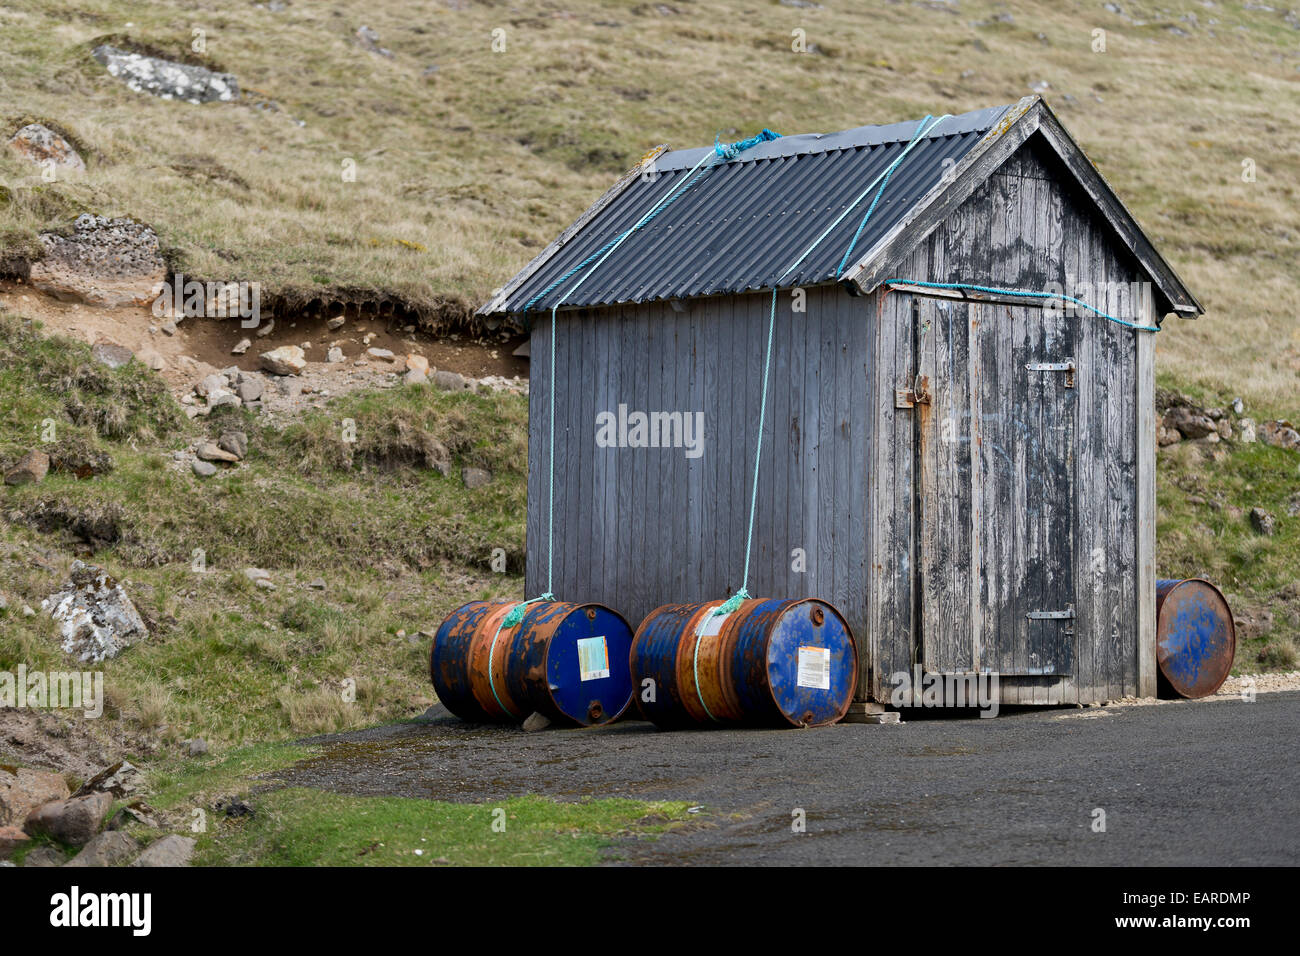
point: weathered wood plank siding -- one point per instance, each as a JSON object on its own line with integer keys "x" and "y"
{"x": 1043, "y": 512}
{"x": 639, "y": 527}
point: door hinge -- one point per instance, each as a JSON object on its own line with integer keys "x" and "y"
{"x": 1067, "y": 367}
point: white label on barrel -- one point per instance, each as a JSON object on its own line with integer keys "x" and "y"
{"x": 815, "y": 667}
{"x": 593, "y": 658}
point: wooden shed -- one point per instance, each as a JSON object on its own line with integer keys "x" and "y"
{"x": 955, "y": 454}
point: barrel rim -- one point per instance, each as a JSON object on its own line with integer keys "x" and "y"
{"x": 1175, "y": 584}
{"x": 546, "y": 662}
{"x": 848, "y": 632}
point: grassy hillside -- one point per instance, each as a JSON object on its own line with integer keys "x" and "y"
{"x": 468, "y": 160}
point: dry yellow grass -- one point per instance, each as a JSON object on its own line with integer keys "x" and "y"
{"x": 464, "y": 172}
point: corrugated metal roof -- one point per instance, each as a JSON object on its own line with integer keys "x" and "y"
{"x": 746, "y": 220}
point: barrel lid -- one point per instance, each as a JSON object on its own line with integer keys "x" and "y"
{"x": 812, "y": 663}
{"x": 1195, "y": 637}
{"x": 587, "y": 664}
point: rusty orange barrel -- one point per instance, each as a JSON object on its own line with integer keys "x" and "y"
{"x": 770, "y": 662}
{"x": 1195, "y": 637}
{"x": 568, "y": 662}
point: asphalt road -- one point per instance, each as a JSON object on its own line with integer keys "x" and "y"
{"x": 1182, "y": 783}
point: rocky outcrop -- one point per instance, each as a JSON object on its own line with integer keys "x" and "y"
{"x": 43, "y": 146}
{"x": 31, "y": 468}
{"x": 23, "y": 789}
{"x": 97, "y": 620}
{"x": 74, "y": 821}
{"x": 166, "y": 79}
{"x": 104, "y": 262}
{"x": 1281, "y": 434}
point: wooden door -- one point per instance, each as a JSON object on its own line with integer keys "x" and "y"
{"x": 994, "y": 430}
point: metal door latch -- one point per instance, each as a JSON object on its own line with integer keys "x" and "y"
{"x": 1067, "y": 367}
{"x": 918, "y": 394}
{"x": 1066, "y": 615}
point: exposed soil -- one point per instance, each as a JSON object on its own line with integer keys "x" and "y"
{"x": 202, "y": 346}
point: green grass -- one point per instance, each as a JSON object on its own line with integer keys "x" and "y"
{"x": 298, "y": 827}
{"x": 397, "y": 543}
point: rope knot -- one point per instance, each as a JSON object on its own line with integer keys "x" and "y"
{"x": 731, "y": 603}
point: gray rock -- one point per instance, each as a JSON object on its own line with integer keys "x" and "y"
{"x": 384, "y": 355}
{"x": 451, "y": 381}
{"x": 31, "y": 468}
{"x": 43, "y": 146}
{"x": 1247, "y": 428}
{"x": 210, "y": 452}
{"x": 242, "y": 346}
{"x": 107, "y": 849}
{"x": 317, "y": 585}
{"x": 435, "y": 712}
{"x": 204, "y": 469}
{"x": 335, "y": 323}
{"x": 119, "y": 779}
{"x": 111, "y": 354}
{"x": 44, "y": 857}
{"x": 334, "y": 356}
{"x": 74, "y": 267}
{"x": 234, "y": 442}
{"x": 1280, "y": 434}
{"x": 74, "y": 821}
{"x": 210, "y": 384}
{"x": 23, "y": 789}
{"x": 415, "y": 377}
{"x": 250, "y": 390}
{"x": 195, "y": 748}
{"x": 165, "y": 79}
{"x": 1262, "y": 521}
{"x": 286, "y": 360}
{"x": 475, "y": 477}
{"x": 171, "y": 850}
{"x": 222, "y": 397}
{"x": 1224, "y": 428}
{"x": 369, "y": 39}
{"x": 535, "y": 722}
{"x": 96, "y": 618}
{"x": 1189, "y": 422}
{"x": 257, "y": 574}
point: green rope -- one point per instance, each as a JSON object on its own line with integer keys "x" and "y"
{"x": 990, "y": 290}
{"x": 719, "y": 155}
{"x": 505, "y": 622}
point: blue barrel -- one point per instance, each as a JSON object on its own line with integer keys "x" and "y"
{"x": 1195, "y": 637}
{"x": 568, "y": 662}
{"x": 771, "y": 662}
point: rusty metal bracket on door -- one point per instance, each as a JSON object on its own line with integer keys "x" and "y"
{"x": 1066, "y": 615}
{"x": 1067, "y": 367}
{"x": 918, "y": 394}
